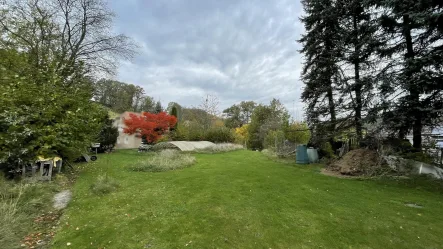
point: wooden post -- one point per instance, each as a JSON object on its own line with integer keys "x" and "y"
{"x": 60, "y": 166}
{"x": 23, "y": 171}
{"x": 33, "y": 167}
{"x": 51, "y": 165}
{"x": 42, "y": 165}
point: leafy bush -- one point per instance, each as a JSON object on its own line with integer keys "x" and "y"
{"x": 108, "y": 135}
{"x": 241, "y": 134}
{"x": 163, "y": 146}
{"x": 220, "y": 135}
{"x": 164, "y": 161}
{"x": 192, "y": 131}
{"x": 223, "y": 147}
{"x": 104, "y": 185}
{"x": 419, "y": 156}
{"x": 298, "y": 133}
{"x": 397, "y": 145}
{"x": 150, "y": 126}
{"x": 404, "y": 149}
{"x": 274, "y": 138}
{"x": 326, "y": 151}
{"x": 188, "y": 131}
{"x": 264, "y": 119}
{"x": 163, "y": 138}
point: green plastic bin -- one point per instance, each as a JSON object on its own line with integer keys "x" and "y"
{"x": 301, "y": 156}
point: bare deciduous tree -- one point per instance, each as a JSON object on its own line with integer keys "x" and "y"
{"x": 72, "y": 33}
{"x": 210, "y": 104}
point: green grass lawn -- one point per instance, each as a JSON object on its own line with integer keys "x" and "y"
{"x": 243, "y": 200}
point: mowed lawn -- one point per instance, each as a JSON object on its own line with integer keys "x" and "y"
{"x": 244, "y": 200}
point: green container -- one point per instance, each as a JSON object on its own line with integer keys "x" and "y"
{"x": 301, "y": 156}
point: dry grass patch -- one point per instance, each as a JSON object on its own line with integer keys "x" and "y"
{"x": 223, "y": 147}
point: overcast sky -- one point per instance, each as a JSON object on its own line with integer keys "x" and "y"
{"x": 234, "y": 49}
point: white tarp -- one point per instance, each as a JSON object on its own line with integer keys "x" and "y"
{"x": 191, "y": 146}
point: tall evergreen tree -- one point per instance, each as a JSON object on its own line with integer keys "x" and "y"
{"x": 360, "y": 41}
{"x": 321, "y": 45}
{"x": 415, "y": 71}
{"x": 158, "y": 107}
{"x": 178, "y": 110}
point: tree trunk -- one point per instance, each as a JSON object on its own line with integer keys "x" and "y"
{"x": 413, "y": 92}
{"x": 331, "y": 108}
{"x": 358, "y": 97}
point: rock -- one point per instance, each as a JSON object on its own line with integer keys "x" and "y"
{"x": 62, "y": 199}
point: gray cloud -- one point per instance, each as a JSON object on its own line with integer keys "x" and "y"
{"x": 237, "y": 50}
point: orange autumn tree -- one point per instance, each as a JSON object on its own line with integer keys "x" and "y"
{"x": 149, "y": 125}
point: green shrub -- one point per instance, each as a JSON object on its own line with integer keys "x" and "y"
{"x": 108, "y": 135}
{"x": 220, "y": 135}
{"x": 104, "y": 185}
{"x": 273, "y": 139}
{"x": 164, "y": 161}
{"x": 326, "y": 150}
{"x": 419, "y": 156}
{"x": 164, "y": 138}
{"x": 163, "y": 146}
{"x": 189, "y": 131}
{"x": 298, "y": 133}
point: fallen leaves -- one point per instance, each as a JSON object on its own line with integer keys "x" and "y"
{"x": 46, "y": 223}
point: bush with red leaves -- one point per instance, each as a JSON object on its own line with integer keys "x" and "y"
{"x": 149, "y": 125}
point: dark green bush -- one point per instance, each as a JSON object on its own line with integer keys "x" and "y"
{"x": 419, "y": 156}
{"x": 399, "y": 145}
{"x": 326, "y": 151}
{"x": 220, "y": 135}
{"x": 108, "y": 135}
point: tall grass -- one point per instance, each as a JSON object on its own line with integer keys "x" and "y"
{"x": 20, "y": 203}
{"x": 10, "y": 216}
{"x": 164, "y": 161}
{"x": 104, "y": 185}
{"x": 222, "y": 147}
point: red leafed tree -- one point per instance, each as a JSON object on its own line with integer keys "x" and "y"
{"x": 149, "y": 125}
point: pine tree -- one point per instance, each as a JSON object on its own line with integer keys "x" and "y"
{"x": 158, "y": 107}
{"x": 415, "y": 69}
{"x": 321, "y": 49}
{"x": 360, "y": 41}
{"x": 174, "y": 112}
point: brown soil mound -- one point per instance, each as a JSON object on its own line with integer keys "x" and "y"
{"x": 358, "y": 162}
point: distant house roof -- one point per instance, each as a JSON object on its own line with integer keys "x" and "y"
{"x": 184, "y": 145}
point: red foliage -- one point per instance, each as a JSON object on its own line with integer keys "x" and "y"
{"x": 149, "y": 125}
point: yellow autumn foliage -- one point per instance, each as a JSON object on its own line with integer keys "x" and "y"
{"x": 241, "y": 134}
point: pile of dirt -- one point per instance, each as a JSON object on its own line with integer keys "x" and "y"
{"x": 359, "y": 162}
